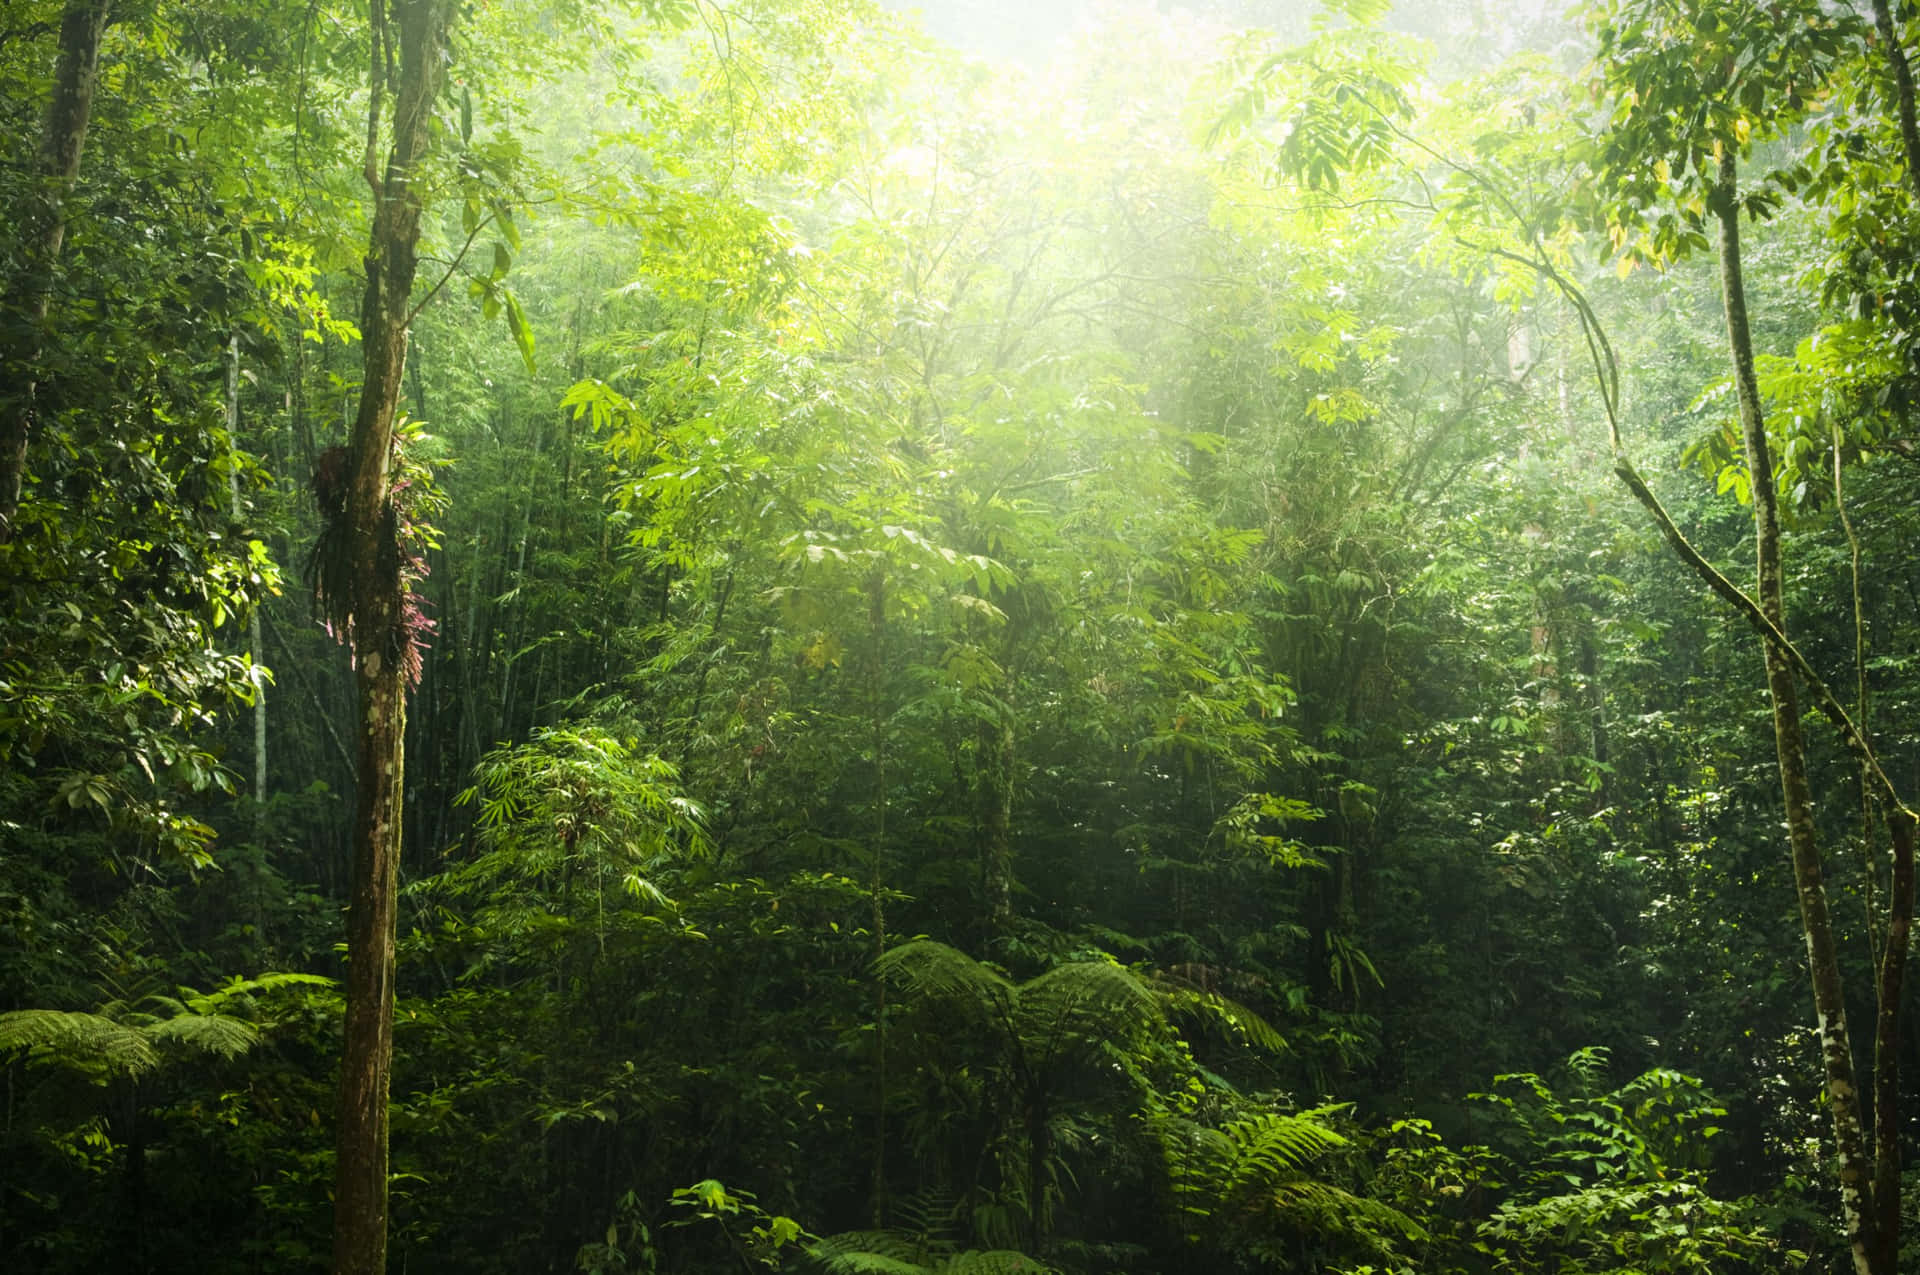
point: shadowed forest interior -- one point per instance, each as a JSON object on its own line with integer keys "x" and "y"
{"x": 787, "y": 635}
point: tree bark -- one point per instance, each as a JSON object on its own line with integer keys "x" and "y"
{"x": 877, "y": 625}
{"x": 378, "y": 633}
{"x": 1856, "y": 1174}
{"x": 1896, "y": 55}
{"x": 77, "y": 72}
{"x": 994, "y": 744}
{"x": 1900, "y": 821}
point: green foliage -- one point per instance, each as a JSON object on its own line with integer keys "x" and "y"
{"x": 1617, "y": 1177}
{"x": 572, "y": 797}
{"x": 1690, "y": 84}
{"x": 1056, "y": 1017}
{"x": 1250, "y": 1185}
{"x": 1341, "y": 101}
{"x": 135, "y": 1033}
{"x": 949, "y": 501}
{"x": 892, "y": 1253}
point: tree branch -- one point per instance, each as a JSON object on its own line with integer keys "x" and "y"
{"x": 452, "y": 266}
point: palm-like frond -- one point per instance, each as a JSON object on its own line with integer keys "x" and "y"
{"x": 1324, "y": 1208}
{"x": 127, "y": 1034}
{"x": 243, "y": 989}
{"x": 998, "y": 1261}
{"x": 935, "y": 973}
{"x": 77, "y": 1040}
{"x": 871, "y": 1253}
{"x": 1079, "y": 1002}
{"x": 1269, "y": 1149}
{"x": 1256, "y": 1174}
{"x": 898, "y": 1253}
{"x": 207, "y": 1034}
{"x": 1192, "y": 998}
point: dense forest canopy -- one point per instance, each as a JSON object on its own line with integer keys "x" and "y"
{"x": 697, "y": 635}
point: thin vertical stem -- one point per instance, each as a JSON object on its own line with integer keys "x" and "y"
{"x": 1870, "y": 872}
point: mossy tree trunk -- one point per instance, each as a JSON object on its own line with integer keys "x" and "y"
{"x": 378, "y": 631}
{"x": 1829, "y": 997}
{"x": 82, "y": 25}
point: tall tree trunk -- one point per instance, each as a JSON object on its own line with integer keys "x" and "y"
{"x": 81, "y": 27}
{"x": 1039, "y": 1150}
{"x": 994, "y": 767}
{"x": 1856, "y": 1171}
{"x": 1900, "y": 822}
{"x": 256, "y": 650}
{"x": 255, "y": 654}
{"x": 1896, "y": 55}
{"x": 378, "y": 630}
{"x": 877, "y": 624}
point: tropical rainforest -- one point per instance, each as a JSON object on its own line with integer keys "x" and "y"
{"x": 787, "y": 635}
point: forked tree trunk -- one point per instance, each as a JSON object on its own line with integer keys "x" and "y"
{"x": 1836, "y": 1050}
{"x": 82, "y": 25}
{"x": 378, "y": 630}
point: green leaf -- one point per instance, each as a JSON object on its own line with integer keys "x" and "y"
{"x": 521, "y": 329}
{"x": 1363, "y": 12}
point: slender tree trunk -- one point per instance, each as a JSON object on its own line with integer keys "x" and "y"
{"x": 1900, "y": 822}
{"x": 1039, "y": 1149}
{"x": 877, "y": 623}
{"x": 378, "y": 632}
{"x": 994, "y": 763}
{"x": 256, "y": 649}
{"x": 256, "y": 652}
{"x": 81, "y": 27}
{"x": 1856, "y": 1171}
{"x": 1886, "y": 1042}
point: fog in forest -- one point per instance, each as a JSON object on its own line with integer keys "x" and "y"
{"x": 837, "y": 638}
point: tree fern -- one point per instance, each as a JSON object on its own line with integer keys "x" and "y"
{"x": 993, "y": 1262}
{"x": 1033, "y": 1034}
{"x": 1062, "y": 1010}
{"x": 871, "y": 1253}
{"x": 935, "y": 973}
{"x": 207, "y": 1034}
{"x": 1267, "y": 1149}
{"x": 1201, "y": 1003}
{"x": 77, "y": 1039}
{"x": 892, "y": 1252}
{"x": 130, "y": 1035}
{"x": 1254, "y": 1177}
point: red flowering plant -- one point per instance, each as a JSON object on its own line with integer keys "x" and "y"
{"x": 400, "y": 562}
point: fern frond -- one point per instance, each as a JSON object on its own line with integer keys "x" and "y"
{"x": 1081, "y": 1001}
{"x": 856, "y": 1262}
{"x": 207, "y": 1033}
{"x": 1319, "y": 1206}
{"x": 76, "y": 1039}
{"x": 932, "y": 1213}
{"x": 1267, "y": 1148}
{"x": 891, "y": 1253}
{"x": 1233, "y": 1015}
{"x": 242, "y": 989}
{"x": 998, "y": 1261}
{"x": 935, "y": 972}
{"x": 869, "y": 1253}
